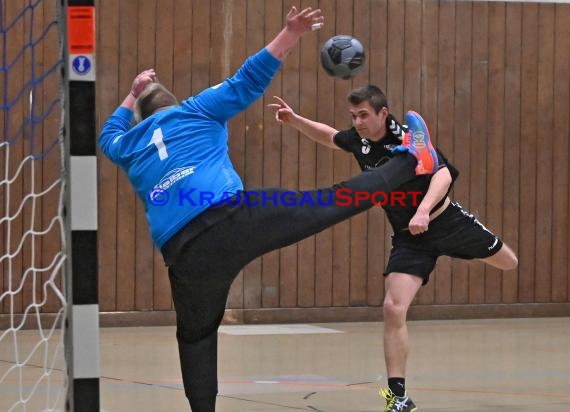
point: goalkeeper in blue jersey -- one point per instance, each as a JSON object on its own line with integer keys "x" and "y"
{"x": 206, "y": 226}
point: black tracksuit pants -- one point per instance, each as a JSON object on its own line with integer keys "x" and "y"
{"x": 202, "y": 268}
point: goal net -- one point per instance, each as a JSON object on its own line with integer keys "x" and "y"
{"x": 33, "y": 307}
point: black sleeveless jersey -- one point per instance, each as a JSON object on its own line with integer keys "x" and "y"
{"x": 400, "y": 207}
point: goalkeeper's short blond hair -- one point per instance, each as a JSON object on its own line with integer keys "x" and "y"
{"x": 154, "y": 97}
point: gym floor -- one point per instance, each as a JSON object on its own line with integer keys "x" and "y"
{"x": 460, "y": 365}
{"x": 463, "y": 365}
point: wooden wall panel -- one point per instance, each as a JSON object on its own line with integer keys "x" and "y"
{"x": 343, "y": 23}
{"x": 164, "y": 59}
{"x": 358, "y": 264}
{"x": 545, "y": 120}
{"x": 478, "y": 135}
{"x": 444, "y": 124}
{"x": 253, "y": 175}
{"x": 427, "y": 86}
{"x": 290, "y": 82}
{"x": 375, "y": 248}
{"x": 495, "y": 147}
{"x": 30, "y": 159}
{"x": 146, "y": 57}
{"x": 270, "y": 284}
{"x": 561, "y": 158}
{"x": 309, "y": 58}
{"x": 46, "y": 51}
{"x": 528, "y": 143}
{"x": 497, "y": 105}
{"x": 107, "y": 92}
{"x": 235, "y": 36}
{"x": 461, "y": 154}
{"x": 491, "y": 78}
{"x": 512, "y": 146}
{"x": 14, "y": 80}
{"x": 324, "y": 165}
{"x": 53, "y": 160}
{"x": 127, "y": 281}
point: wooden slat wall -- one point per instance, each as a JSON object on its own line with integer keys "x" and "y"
{"x": 492, "y": 80}
{"x": 30, "y": 47}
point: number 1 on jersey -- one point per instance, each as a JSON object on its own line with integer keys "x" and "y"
{"x": 159, "y": 143}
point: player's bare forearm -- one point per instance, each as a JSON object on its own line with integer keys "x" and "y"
{"x": 129, "y": 102}
{"x": 318, "y": 132}
{"x": 438, "y": 187}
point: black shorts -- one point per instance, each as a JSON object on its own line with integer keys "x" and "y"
{"x": 454, "y": 233}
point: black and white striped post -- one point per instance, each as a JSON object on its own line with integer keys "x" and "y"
{"x": 82, "y": 328}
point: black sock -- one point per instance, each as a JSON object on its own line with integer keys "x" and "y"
{"x": 397, "y": 386}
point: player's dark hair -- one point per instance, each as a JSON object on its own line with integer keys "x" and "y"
{"x": 153, "y": 97}
{"x": 371, "y": 94}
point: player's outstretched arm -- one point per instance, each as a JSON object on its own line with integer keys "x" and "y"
{"x": 298, "y": 23}
{"x": 225, "y": 100}
{"x": 318, "y": 132}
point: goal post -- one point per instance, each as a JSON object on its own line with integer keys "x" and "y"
{"x": 82, "y": 329}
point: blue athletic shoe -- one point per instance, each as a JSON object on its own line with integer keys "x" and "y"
{"x": 417, "y": 142}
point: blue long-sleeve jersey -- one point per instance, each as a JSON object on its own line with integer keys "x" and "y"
{"x": 177, "y": 159}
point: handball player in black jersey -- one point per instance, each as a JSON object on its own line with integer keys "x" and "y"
{"x": 425, "y": 226}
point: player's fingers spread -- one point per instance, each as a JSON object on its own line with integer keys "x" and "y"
{"x": 292, "y": 12}
{"x": 316, "y": 19}
{"x": 279, "y": 99}
{"x": 316, "y": 14}
{"x": 305, "y": 12}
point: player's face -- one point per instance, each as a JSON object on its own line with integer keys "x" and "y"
{"x": 367, "y": 122}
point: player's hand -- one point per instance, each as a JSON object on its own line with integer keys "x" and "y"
{"x": 303, "y": 21}
{"x": 142, "y": 80}
{"x": 419, "y": 222}
{"x": 283, "y": 112}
